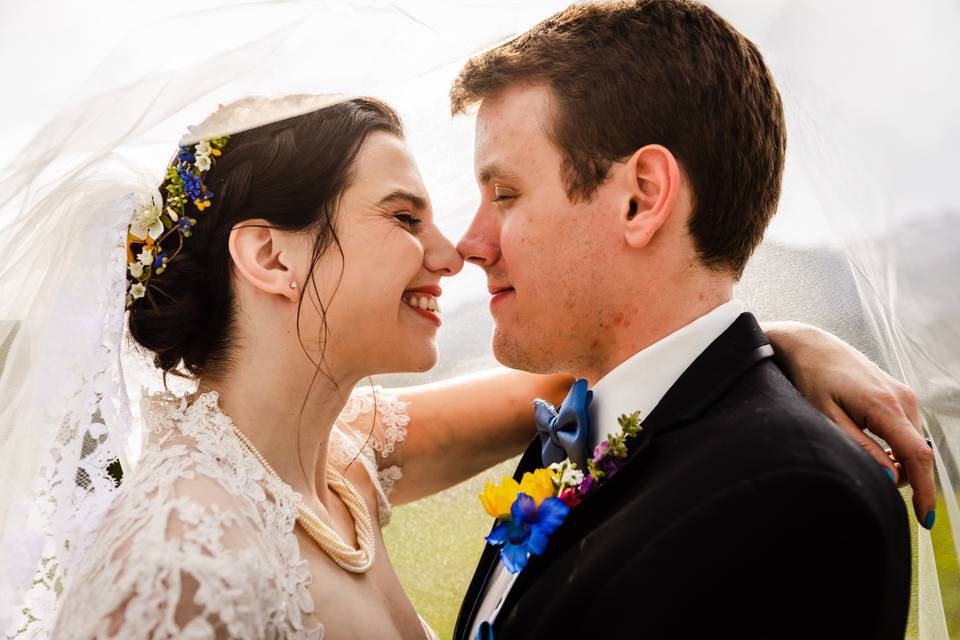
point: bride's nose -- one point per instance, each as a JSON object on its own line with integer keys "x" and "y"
{"x": 440, "y": 256}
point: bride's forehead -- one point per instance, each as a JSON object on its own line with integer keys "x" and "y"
{"x": 383, "y": 159}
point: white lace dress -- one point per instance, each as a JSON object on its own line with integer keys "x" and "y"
{"x": 200, "y": 542}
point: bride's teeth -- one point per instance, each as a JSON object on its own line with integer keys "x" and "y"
{"x": 427, "y": 303}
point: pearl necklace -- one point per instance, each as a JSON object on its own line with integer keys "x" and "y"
{"x": 353, "y": 560}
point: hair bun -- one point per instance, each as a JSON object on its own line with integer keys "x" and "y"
{"x": 170, "y": 320}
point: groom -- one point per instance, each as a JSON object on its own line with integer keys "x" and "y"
{"x": 630, "y": 157}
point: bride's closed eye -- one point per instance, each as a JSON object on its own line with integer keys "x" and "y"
{"x": 408, "y": 220}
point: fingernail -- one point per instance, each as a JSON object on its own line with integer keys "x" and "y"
{"x": 889, "y": 474}
{"x": 930, "y": 519}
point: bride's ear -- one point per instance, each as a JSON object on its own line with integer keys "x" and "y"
{"x": 261, "y": 258}
{"x": 651, "y": 181}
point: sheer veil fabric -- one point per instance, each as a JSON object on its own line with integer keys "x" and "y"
{"x": 861, "y": 244}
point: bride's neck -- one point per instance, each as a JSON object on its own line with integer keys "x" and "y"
{"x": 290, "y": 429}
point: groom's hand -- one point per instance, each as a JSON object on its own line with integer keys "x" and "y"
{"x": 857, "y": 395}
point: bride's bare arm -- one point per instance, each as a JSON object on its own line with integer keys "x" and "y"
{"x": 462, "y": 426}
{"x": 848, "y": 388}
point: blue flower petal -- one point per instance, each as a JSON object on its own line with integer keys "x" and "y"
{"x": 514, "y": 557}
{"x": 537, "y": 542}
{"x": 551, "y": 514}
{"x": 499, "y": 534}
{"x": 524, "y": 509}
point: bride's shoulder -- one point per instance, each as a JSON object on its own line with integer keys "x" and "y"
{"x": 197, "y": 538}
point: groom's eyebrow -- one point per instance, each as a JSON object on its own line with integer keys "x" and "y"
{"x": 494, "y": 172}
{"x": 402, "y": 195}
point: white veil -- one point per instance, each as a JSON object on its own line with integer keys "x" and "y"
{"x": 861, "y": 244}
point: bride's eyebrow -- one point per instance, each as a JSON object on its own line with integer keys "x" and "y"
{"x": 419, "y": 203}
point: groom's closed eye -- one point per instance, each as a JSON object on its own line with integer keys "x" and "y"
{"x": 500, "y": 194}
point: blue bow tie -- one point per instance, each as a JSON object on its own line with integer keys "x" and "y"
{"x": 565, "y": 433}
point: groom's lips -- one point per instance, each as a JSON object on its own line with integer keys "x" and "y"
{"x": 499, "y": 293}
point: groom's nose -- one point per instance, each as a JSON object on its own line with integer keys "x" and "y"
{"x": 481, "y": 243}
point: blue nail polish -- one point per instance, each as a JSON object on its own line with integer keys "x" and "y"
{"x": 930, "y": 519}
{"x": 889, "y": 474}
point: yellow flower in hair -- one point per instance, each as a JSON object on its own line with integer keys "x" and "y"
{"x": 496, "y": 499}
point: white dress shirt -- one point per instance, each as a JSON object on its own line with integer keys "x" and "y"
{"x": 637, "y": 384}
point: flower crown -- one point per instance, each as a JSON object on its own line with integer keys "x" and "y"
{"x": 152, "y": 222}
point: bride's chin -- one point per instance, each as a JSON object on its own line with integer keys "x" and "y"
{"x": 423, "y": 358}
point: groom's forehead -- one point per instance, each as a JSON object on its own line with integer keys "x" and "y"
{"x": 516, "y": 110}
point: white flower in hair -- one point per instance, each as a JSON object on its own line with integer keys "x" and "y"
{"x": 136, "y": 269}
{"x": 137, "y": 291}
{"x": 146, "y": 217}
{"x": 202, "y": 163}
{"x": 255, "y": 111}
{"x": 145, "y": 257}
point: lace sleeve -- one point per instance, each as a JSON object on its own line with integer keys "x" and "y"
{"x": 188, "y": 551}
{"x": 375, "y": 423}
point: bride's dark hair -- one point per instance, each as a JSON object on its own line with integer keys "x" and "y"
{"x": 291, "y": 173}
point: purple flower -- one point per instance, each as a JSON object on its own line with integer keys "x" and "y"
{"x": 528, "y": 530}
{"x": 601, "y": 450}
{"x": 586, "y": 485}
{"x": 609, "y": 466}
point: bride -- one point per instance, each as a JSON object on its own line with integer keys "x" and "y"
{"x": 290, "y": 253}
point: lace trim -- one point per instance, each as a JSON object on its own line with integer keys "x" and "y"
{"x": 199, "y": 525}
{"x": 372, "y": 437}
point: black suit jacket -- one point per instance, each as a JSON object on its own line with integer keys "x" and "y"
{"x": 740, "y": 512}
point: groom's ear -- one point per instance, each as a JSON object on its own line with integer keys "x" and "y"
{"x": 651, "y": 184}
{"x": 261, "y": 257}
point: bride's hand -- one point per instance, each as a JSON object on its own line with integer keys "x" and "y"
{"x": 857, "y": 395}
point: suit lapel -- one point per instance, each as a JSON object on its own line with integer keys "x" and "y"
{"x": 727, "y": 358}
{"x": 530, "y": 460}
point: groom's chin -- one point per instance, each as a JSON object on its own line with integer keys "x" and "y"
{"x": 517, "y": 354}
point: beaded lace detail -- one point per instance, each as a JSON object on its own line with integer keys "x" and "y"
{"x": 200, "y": 542}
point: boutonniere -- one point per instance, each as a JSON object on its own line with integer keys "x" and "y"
{"x": 529, "y": 511}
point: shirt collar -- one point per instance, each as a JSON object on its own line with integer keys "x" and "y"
{"x": 641, "y": 381}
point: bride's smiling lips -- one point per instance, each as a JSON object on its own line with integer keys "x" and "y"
{"x": 423, "y": 300}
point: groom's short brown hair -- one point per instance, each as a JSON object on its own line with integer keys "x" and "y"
{"x": 669, "y": 72}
